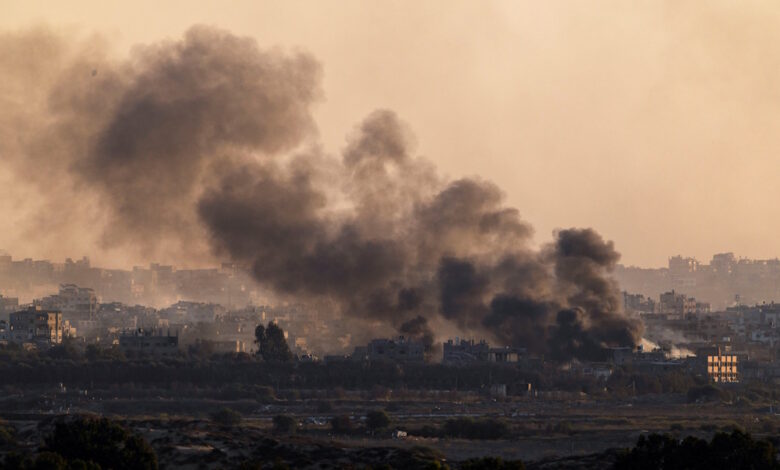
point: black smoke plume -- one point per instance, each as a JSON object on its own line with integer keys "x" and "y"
{"x": 207, "y": 144}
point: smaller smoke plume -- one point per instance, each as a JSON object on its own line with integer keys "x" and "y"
{"x": 417, "y": 328}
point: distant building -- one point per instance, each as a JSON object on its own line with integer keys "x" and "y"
{"x": 724, "y": 282}
{"x": 683, "y": 272}
{"x": 76, "y": 303}
{"x": 224, "y": 346}
{"x": 400, "y": 349}
{"x": 622, "y": 355}
{"x": 638, "y": 303}
{"x": 723, "y": 263}
{"x": 149, "y": 342}
{"x": 44, "y": 328}
{"x": 656, "y": 361}
{"x": 505, "y": 354}
{"x": 676, "y": 303}
{"x": 194, "y": 312}
{"x": 468, "y": 351}
{"x": 722, "y": 365}
{"x": 465, "y": 351}
{"x": 8, "y": 305}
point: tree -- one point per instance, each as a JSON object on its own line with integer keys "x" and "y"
{"x": 93, "y": 353}
{"x": 100, "y": 442}
{"x": 16, "y": 461}
{"x": 50, "y": 461}
{"x": 284, "y": 424}
{"x": 734, "y": 450}
{"x": 377, "y": 419}
{"x": 271, "y": 345}
{"x": 65, "y": 350}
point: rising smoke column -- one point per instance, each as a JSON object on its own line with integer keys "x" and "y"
{"x": 209, "y": 142}
{"x": 189, "y": 106}
{"x": 143, "y": 136}
{"x": 415, "y": 250}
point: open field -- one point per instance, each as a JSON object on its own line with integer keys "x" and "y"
{"x": 179, "y": 427}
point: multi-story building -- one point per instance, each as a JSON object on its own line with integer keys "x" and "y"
{"x": 682, "y": 271}
{"x": 467, "y": 351}
{"x": 638, "y": 303}
{"x": 224, "y": 346}
{"x": 722, "y": 366}
{"x": 723, "y": 282}
{"x": 35, "y": 325}
{"x": 76, "y": 303}
{"x": 193, "y": 312}
{"x": 8, "y": 305}
{"x": 400, "y": 349}
{"x": 505, "y": 354}
{"x": 673, "y": 302}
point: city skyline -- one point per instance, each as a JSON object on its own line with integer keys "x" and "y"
{"x": 449, "y": 234}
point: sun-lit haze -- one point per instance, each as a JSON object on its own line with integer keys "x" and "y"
{"x": 406, "y": 234}
{"x": 655, "y": 123}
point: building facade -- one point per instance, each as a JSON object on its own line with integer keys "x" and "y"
{"x": 469, "y": 351}
{"x": 722, "y": 367}
{"x": 35, "y": 325}
{"x": 76, "y": 303}
{"x": 400, "y": 349}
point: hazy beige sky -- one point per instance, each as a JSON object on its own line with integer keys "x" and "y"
{"x": 654, "y": 123}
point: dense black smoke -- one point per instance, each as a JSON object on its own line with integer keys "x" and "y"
{"x": 409, "y": 250}
{"x": 189, "y": 105}
{"x": 418, "y": 328}
{"x": 210, "y": 140}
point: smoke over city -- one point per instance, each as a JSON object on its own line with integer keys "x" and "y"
{"x": 206, "y": 147}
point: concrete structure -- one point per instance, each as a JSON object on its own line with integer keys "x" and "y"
{"x": 505, "y": 354}
{"x": 682, "y": 271}
{"x": 465, "y": 351}
{"x": 723, "y": 282}
{"x": 224, "y": 346}
{"x": 400, "y": 349}
{"x": 468, "y": 351}
{"x": 44, "y": 328}
{"x": 76, "y": 303}
{"x": 722, "y": 366}
{"x": 194, "y": 312}
{"x": 628, "y": 355}
{"x": 638, "y": 303}
{"x": 7, "y": 306}
{"x": 673, "y": 302}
